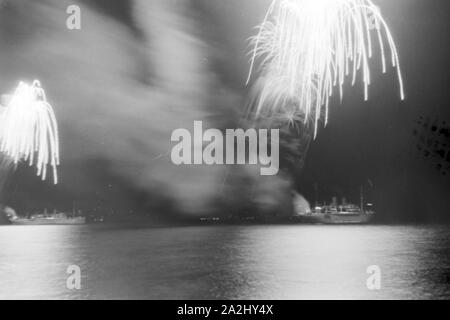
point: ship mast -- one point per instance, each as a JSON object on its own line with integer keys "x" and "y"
{"x": 316, "y": 194}
{"x": 362, "y": 198}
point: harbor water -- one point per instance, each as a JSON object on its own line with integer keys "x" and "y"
{"x": 225, "y": 262}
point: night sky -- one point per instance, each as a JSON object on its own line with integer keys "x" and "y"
{"x": 398, "y": 150}
{"x": 402, "y": 147}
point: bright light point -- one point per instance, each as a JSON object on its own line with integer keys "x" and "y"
{"x": 307, "y": 48}
{"x": 29, "y": 131}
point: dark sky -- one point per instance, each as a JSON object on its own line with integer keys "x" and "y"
{"x": 397, "y": 150}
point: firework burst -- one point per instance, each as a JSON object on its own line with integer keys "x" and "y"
{"x": 307, "y": 48}
{"x": 28, "y": 129}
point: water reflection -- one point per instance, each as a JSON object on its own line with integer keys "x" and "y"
{"x": 33, "y": 261}
{"x": 225, "y": 262}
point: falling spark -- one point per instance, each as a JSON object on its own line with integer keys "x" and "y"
{"x": 29, "y": 131}
{"x": 306, "y": 48}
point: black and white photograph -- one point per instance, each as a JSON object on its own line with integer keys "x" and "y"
{"x": 235, "y": 153}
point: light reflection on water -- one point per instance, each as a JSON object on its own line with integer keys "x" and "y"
{"x": 225, "y": 262}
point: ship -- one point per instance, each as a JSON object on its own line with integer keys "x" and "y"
{"x": 44, "y": 219}
{"x": 346, "y": 213}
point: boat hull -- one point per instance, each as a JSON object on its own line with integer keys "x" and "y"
{"x": 46, "y": 221}
{"x": 361, "y": 218}
{"x": 305, "y": 219}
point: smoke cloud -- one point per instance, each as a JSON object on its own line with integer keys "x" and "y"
{"x": 119, "y": 87}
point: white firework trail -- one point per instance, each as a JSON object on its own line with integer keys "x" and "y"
{"x": 306, "y": 48}
{"x": 29, "y": 131}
